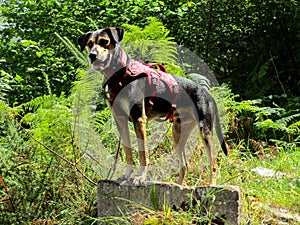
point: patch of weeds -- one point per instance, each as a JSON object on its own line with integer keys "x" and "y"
{"x": 261, "y": 193}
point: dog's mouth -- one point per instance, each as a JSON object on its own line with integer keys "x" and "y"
{"x": 100, "y": 65}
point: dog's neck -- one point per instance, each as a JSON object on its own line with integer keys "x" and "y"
{"x": 119, "y": 63}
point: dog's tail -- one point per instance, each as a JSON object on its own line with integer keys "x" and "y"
{"x": 219, "y": 131}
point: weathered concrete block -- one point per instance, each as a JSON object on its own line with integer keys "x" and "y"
{"x": 222, "y": 203}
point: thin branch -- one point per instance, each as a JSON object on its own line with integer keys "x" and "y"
{"x": 276, "y": 71}
{"x": 6, "y": 190}
{"x": 112, "y": 169}
{"x": 56, "y": 154}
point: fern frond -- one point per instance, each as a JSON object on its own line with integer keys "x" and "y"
{"x": 244, "y": 106}
{"x": 4, "y": 88}
{"x": 5, "y": 110}
{"x": 101, "y": 118}
{"x": 133, "y": 33}
{"x": 295, "y": 127}
{"x": 80, "y": 56}
{"x": 151, "y": 43}
{"x": 268, "y": 111}
{"x": 201, "y": 80}
{"x": 41, "y": 101}
{"x": 270, "y": 124}
{"x": 84, "y": 93}
{"x": 92, "y": 22}
{"x": 156, "y": 29}
{"x": 286, "y": 120}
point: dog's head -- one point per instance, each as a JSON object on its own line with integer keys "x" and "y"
{"x": 101, "y": 45}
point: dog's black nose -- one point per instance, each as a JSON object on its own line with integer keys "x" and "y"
{"x": 93, "y": 57}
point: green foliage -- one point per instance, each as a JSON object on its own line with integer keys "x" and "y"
{"x": 250, "y": 44}
{"x": 37, "y": 182}
{"x": 265, "y": 196}
{"x": 249, "y": 119}
{"x": 46, "y": 183}
{"x": 50, "y": 121}
{"x": 154, "y": 198}
{"x": 4, "y": 85}
{"x": 80, "y": 56}
{"x": 200, "y": 79}
{"x": 150, "y": 43}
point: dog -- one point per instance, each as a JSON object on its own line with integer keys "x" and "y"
{"x": 132, "y": 97}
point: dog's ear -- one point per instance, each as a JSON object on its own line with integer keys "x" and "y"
{"x": 83, "y": 39}
{"x": 115, "y": 34}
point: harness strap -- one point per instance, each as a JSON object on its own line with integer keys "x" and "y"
{"x": 154, "y": 80}
{"x": 134, "y": 70}
{"x": 160, "y": 66}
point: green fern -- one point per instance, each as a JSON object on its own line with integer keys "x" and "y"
{"x": 5, "y": 111}
{"x": 85, "y": 93}
{"x": 295, "y": 128}
{"x": 101, "y": 118}
{"x": 249, "y": 119}
{"x": 287, "y": 119}
{"x": 270, "y": 124}
{"x": 4, "y": 85}
{"x": 201, "y": 80}
{"x": 38, "y": 102}
{"x": 80, "y": 56}
{"x": 44, "y": 112}
{"x": 151, "y": 43}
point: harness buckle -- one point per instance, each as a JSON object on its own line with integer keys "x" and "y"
{"x": 107, "y": 93}
{"x": 154, "y": 80}
{"x": 176, "y": 89}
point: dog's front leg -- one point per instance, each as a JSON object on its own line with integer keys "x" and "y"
{"x": 140, "y": 130}
{"x": 122, "y": 125}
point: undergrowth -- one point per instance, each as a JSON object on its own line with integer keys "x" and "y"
{"x": 54, "y": 149}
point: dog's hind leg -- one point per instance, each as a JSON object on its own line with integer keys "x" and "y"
{"x": 207, "y": 137}
{"x": 181, "y": 130}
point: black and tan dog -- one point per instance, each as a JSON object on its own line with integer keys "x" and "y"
{"x": 133, "y": 97}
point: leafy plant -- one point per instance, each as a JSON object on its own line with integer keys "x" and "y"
{"x": 249, "y": 119}
{"x": 151, "y": 43}
{"x": 37, "y": 181}
{"x": 4, "y": 85}
{"x": 252, "y": 45}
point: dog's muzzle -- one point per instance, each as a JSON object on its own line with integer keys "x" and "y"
{"x": 93, "y": 57}
{"x": 99, "y": 63}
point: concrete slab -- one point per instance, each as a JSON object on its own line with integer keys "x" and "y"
{"x": 222, "y": 204}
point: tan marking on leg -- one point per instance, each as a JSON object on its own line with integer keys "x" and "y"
{"x": 140, "y": 130}
{"x": 142, "y": 141}
{"x": 208, "y": 143}
{"x": 122, "y": 125}
{"x": 181, "y": 131}
{"x": 128, "y": 154}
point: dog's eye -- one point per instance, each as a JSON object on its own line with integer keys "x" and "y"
{"x": 90, "y": 44}
{"x": 103, "y": 42}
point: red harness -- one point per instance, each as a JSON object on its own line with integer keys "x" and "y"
{"x": 136, "y": 70}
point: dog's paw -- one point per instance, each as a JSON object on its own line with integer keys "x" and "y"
{"x": 139, "y": 180}
{"x": 121, "y": 179}
{"x": 124, "y": 180}
{"x": 140, "y": 177}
